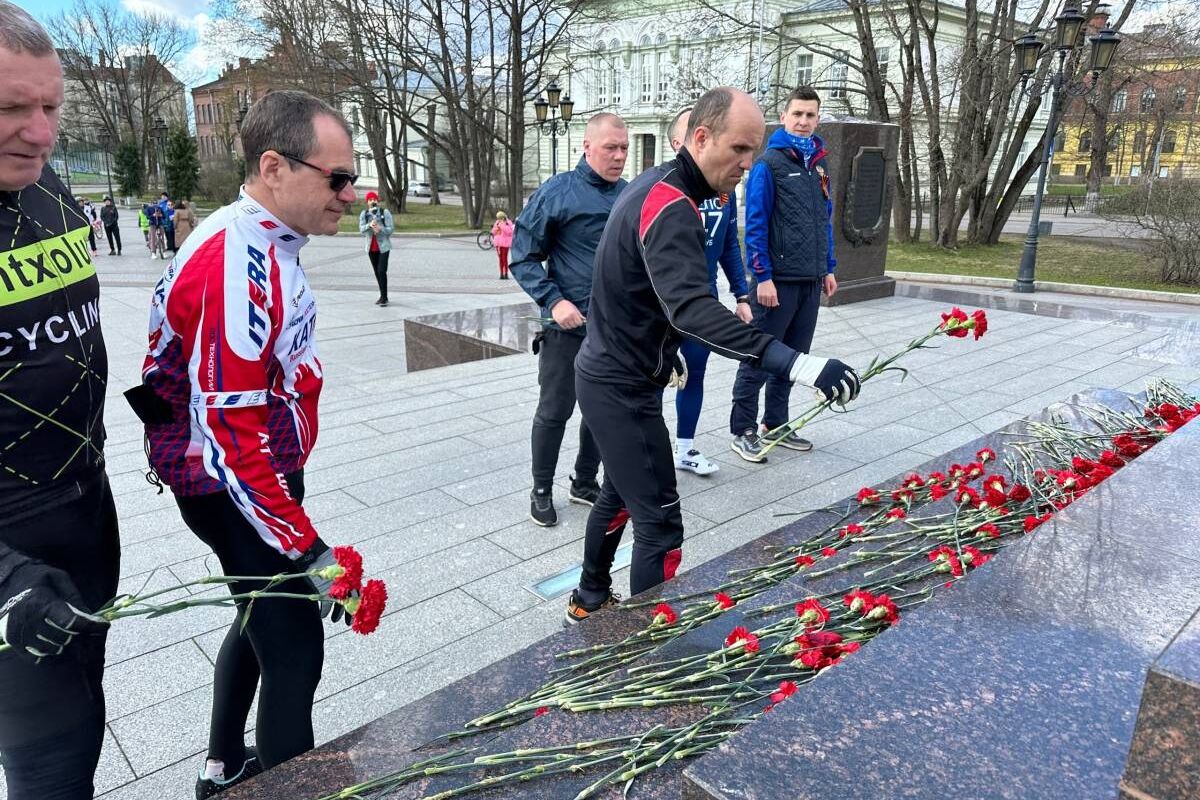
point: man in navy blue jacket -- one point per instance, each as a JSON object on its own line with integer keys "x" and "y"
{"x": 789, "y": 244}
{"x": 721, "y": 246}
{"x": 561, "y": 227}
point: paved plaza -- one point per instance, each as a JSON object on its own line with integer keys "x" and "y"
{"x": 428, "y": 475}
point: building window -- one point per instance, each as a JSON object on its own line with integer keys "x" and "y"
{"x": 1059, "y": 142}
{"x": 1139, "y": 141}
{"x": 804, "y": 70}
{"x": 1168, "y": 142}
{"x": 882, "y": 58}
{"x": 660, "y": 70}
{"x": 837, "y": 74}
{"x": 1118, "y": 101}
{"x": 615, "y": 84}
{"x": 1147, "y": 103}
{"x": 645, "y": 69}
{"x": 1180, "y": 98}
{"x": 1085, "y": 142}
{"x": 602, "y": 83}
{"x": 1080, "y": 170}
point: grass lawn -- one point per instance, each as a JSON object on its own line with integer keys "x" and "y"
{"x": 1060, "y": 258}
{"x": 420, "y": 217}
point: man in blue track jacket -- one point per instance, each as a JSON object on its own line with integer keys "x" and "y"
{"x": 721, "y": 246}
{"x": 789, "y": 244}
{"x": 561, "y": 227}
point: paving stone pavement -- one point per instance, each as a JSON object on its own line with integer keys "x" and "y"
{"x": 428, "y": 475}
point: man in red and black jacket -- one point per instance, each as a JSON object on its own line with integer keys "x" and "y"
{"x": 650, "y": 289}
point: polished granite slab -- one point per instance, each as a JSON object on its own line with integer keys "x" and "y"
{"x": 387, "y": 743}
{"x": 440, "y": 340}
{"x": 1023, "y": 682}
{"x": 1179, "y": 343}
{"x": 1164, "y": 760}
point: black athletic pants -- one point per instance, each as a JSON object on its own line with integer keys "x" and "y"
{"x": 52, "y": 713}
{"x": 639, "y": 484}
{"x": 556, "y": 402}
{"x": 283, "y": 643}
{"x": 114, "y": 238}
{"x": 792, "y": 322}
{"x": 379, "y": 265}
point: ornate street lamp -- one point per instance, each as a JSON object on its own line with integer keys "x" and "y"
{"x": 545, "y": 108}
{"x": 1028, "y": 50}
{"x": 105, "y": 140}
{"x": 158, "y": 132}
{"x": 64, "y": 142}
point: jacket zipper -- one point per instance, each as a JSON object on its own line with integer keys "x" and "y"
{"x": 661, "y": 345}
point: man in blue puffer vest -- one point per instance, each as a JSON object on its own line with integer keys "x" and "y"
{"x": 561, "y": 227}
{"x": 721, "y": 246}
{"x": 789, "y": 245}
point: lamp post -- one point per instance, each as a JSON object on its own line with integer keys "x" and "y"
{"x": 105, "y": 140}
{"x": 243, "y": 109}
{"x": 544, "y": 108}
{"x": 1067, "y": 33}
{"x": 159, "y": 133}
{"x": 64, "y": 142}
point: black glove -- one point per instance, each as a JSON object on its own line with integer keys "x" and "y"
{"x": 832, "y": 379}
{"x": 329, "y": 608}
{"x": 42, "y": 618}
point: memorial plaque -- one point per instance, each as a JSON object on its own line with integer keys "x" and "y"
{"x": 865, "y": 214}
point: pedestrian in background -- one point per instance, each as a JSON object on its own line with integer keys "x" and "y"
{"x": 169, "y": 226}
{"x": 502, "y": 234}
{"x": 93, "y": 219}
{"x": 375, "y": 222}
{"x": 144, "y": 225}
{"x": 185, "y": 222}
{"x": 108, "y": 216}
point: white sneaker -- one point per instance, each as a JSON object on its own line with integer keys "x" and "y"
{"x": 695, "y": 461}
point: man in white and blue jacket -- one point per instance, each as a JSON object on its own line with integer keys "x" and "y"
{"x": 721, "y": 248}
{"x": 789, "y": 245}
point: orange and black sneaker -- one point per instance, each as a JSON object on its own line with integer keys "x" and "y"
{"x": 578, "y": 611}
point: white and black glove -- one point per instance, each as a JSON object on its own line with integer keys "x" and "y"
{"x": 329, "y": 608}
{"x": 41, "y": 619}
{"x": 832, "y": 379}
{"x": 679, "y": 373}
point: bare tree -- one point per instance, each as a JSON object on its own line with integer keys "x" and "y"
{"x": 123, "y": 69}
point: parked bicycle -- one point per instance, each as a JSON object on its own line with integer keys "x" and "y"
{"x": 484, "y": 240}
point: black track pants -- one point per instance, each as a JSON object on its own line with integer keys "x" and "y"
{"x": 283, "y": 643}
{"x": 639, "y": 484}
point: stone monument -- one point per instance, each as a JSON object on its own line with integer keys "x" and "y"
{"x": 862, "y": 166}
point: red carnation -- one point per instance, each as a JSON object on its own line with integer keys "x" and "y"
{"x": 805, "y": 561}
{"x": 885, "y": 609}
{"x": 786, "y": 689}
{"x": 953, "y": 323}
{"x": 1127, "y": 445}
{"x": 351, "y": 578}
{"x": 829, "y": 552}
{"x": 740, "y": 636}
{"x": 946, "y": 560}
{"x": 985, "y": 455}
{"x": 1032, "y": 522}
{"x": 936, "y": 477}
{"x": 981, "y": 324}
{"x": 914, "y": 481}
{"x": 663, "y": 615}
{"x": 724, "y": 601}
{"x": 988, "y": 529}
{"x": 853, "y": 529}
{"x": 967, "y": 494}
{"x": 902, "y": 496}
{"x": 812, "y": 613}
{"x": 371, "y": 604}
{"x": 895, "y": 513}
{"x": 1110, "y": 459}
{"x": 541, "y": 710}
{"x": 859, "y": 601}
{"x": 937, "y": 491}
{"x": 974, "y": 556}
{"x": 818, "y": 649}
{"x": 868, "y": 496}
{"x": 1019, "y": 493}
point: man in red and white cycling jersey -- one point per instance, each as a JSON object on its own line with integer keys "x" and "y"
{"x": 229, "y": 397}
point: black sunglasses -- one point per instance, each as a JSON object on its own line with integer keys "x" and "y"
{"x": 337, "y": 178}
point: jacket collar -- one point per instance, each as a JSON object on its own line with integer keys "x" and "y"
{"x": 694, "y": 183}
{"x": 268, "y": 225}
{"x": 585, "y": 171}
{"x": 779, "y": 141}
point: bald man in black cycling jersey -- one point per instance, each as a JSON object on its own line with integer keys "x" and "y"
{"x": 58, "y": 543}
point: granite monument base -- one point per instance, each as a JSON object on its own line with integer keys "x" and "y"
{"x": 440, "y": 340}
{"x": 1020, "y": 682}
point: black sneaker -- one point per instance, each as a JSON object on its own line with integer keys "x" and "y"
{"x": 578, "y": 611}
{"x": 541, "y": 508}
{"x": 584, "y": 492}
{"x": 208, "y": 787}
{"x": 749, "y": 446}
{"x": 790, "y": 440}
